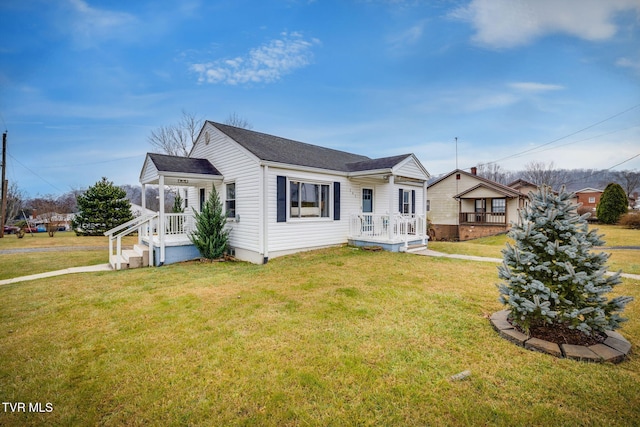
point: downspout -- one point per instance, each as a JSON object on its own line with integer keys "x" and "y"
{"x": 425, "y": 225}
{"x": 265, "y": 214}
{"x": 161, "y": 219}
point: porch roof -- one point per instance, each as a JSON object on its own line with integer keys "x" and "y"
{"x": 497, "y": 191}
{"x": 177, "y": 170}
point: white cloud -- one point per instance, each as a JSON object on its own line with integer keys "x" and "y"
{"x": 409, "y": 36}
{"x": 267, "y": 63}
{"x": 628, "y": 63}
{"x": 534, "y": 87}
{"x": 510, "y": 23}
{"x": 89, "y": 26}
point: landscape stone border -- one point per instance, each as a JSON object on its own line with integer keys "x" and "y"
{"x": 614, "y": 349}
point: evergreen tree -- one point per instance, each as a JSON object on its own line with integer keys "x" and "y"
{"x": 177, "y": 204}
{"x": 102, "y": 207}
{"x": 613, "y": 204}
{"x": 210, "y": 236}
{"x": 552, "y": 276}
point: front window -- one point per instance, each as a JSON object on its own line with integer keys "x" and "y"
{"x": 230, "y": 202}
{"x": 406, "y": 202}
{"x": 498, "y": 205}
{"x": 308, "y": 200}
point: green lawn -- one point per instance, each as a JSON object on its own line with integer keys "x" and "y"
{"x": 614, "y": 235}
{"x": 90, "y": 250}
{"x": 332, "y": 337}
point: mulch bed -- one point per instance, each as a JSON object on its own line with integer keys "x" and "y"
{"x": 561, "y": 334}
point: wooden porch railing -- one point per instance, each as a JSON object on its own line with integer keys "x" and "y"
{"x": 499, "y": 218}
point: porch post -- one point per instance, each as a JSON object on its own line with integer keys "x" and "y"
{"x": 161, "y": 218}
{"x": 392, "y": 206}
{"x": 144, "y": 198}
{"x": 143, "y": 202}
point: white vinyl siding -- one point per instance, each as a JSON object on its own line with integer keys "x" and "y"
{"x": 235, "y": 165}
{"x": 299, "y": 234}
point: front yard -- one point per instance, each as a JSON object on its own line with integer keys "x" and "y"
{"x": 332, "y": 337}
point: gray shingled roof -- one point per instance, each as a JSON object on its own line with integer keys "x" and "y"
{"x": 374, "y": 164}
{"x": 282, "y": 150}
{"x": 166, "y": 163}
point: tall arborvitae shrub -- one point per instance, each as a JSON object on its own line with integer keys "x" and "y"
{"x": 102, "y": 207}
{"x": 552, "y": 275}
{"x": 210, "y": 236}
{"x": 613, "y": 204}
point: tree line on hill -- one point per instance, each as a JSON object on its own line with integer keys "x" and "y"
{"x": 540, "y": 173}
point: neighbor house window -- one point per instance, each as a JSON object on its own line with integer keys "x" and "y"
{"x": 230, "y": 201}
{"x": 308, "y": 200}
{"x": 498, "y": 205}
{"x": 592, "y": 199}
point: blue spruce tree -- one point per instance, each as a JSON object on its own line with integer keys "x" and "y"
{"x": 552, "y": 275}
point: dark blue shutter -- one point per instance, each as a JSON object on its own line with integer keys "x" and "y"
{"x": 413, "y": 201}
{"x": 336, "y": 201}
{"x": 282, "y": 198}
{"x": 400, "y": 199}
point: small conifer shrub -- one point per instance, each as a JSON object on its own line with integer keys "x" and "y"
{"x": 210, "y": 236}
{"x": 552, "y": 276}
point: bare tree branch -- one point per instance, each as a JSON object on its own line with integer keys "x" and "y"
{"x": 177, "y": 139}
{"x": 240, "y": 122}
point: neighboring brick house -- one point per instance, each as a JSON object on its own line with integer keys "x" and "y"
{"x": 463, "y": 206}
{"x": 589, "y": 197}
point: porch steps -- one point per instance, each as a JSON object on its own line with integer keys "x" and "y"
{"x": 132, "y": 258}
{"x": 416, "y": 248}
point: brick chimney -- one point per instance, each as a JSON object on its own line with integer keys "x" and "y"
{"x": 474, "y": 170}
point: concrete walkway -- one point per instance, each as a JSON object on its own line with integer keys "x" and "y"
{"x": 71, "y": 270}
{"x": 429, "y": 252}
{"x": 107, "y": 267}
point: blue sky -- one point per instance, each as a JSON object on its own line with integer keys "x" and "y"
{"x": 84, "y": 82}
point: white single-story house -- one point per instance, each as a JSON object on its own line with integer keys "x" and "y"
{"x": 282, "y": 196}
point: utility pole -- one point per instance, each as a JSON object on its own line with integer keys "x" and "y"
{"x": 4, "y": 183}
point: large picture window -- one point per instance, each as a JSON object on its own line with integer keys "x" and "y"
{"x": 308, "y": 200}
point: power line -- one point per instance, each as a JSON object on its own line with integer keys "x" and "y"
{"x": 566, "y": 136}
{"x": 27, "y": 168}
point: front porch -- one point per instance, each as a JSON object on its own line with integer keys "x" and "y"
{"x": 395, "y": 233}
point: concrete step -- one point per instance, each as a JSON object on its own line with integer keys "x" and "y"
{"x": 113, "y": 260}
{"x": 416, "y": 248}
{"x": 132, "y": 258}
{"x": 143, "y": 250}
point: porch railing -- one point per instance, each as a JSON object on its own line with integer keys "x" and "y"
{"x": 179, "y": 223}
{"x": 499, "y": 218}
{"x": 143, "y": 225}
{"x": 377, "y": 227}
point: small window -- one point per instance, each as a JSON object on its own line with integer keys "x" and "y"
{"x": 230, "y": 201}
{"x": 308, "y": 200}
{"x": 498, "y": 205}
{"x": 406, "y": 202}
{"x": 202, "y": 198}
{"x": 428, "y": 205}
{"x": 592, "y": 199}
